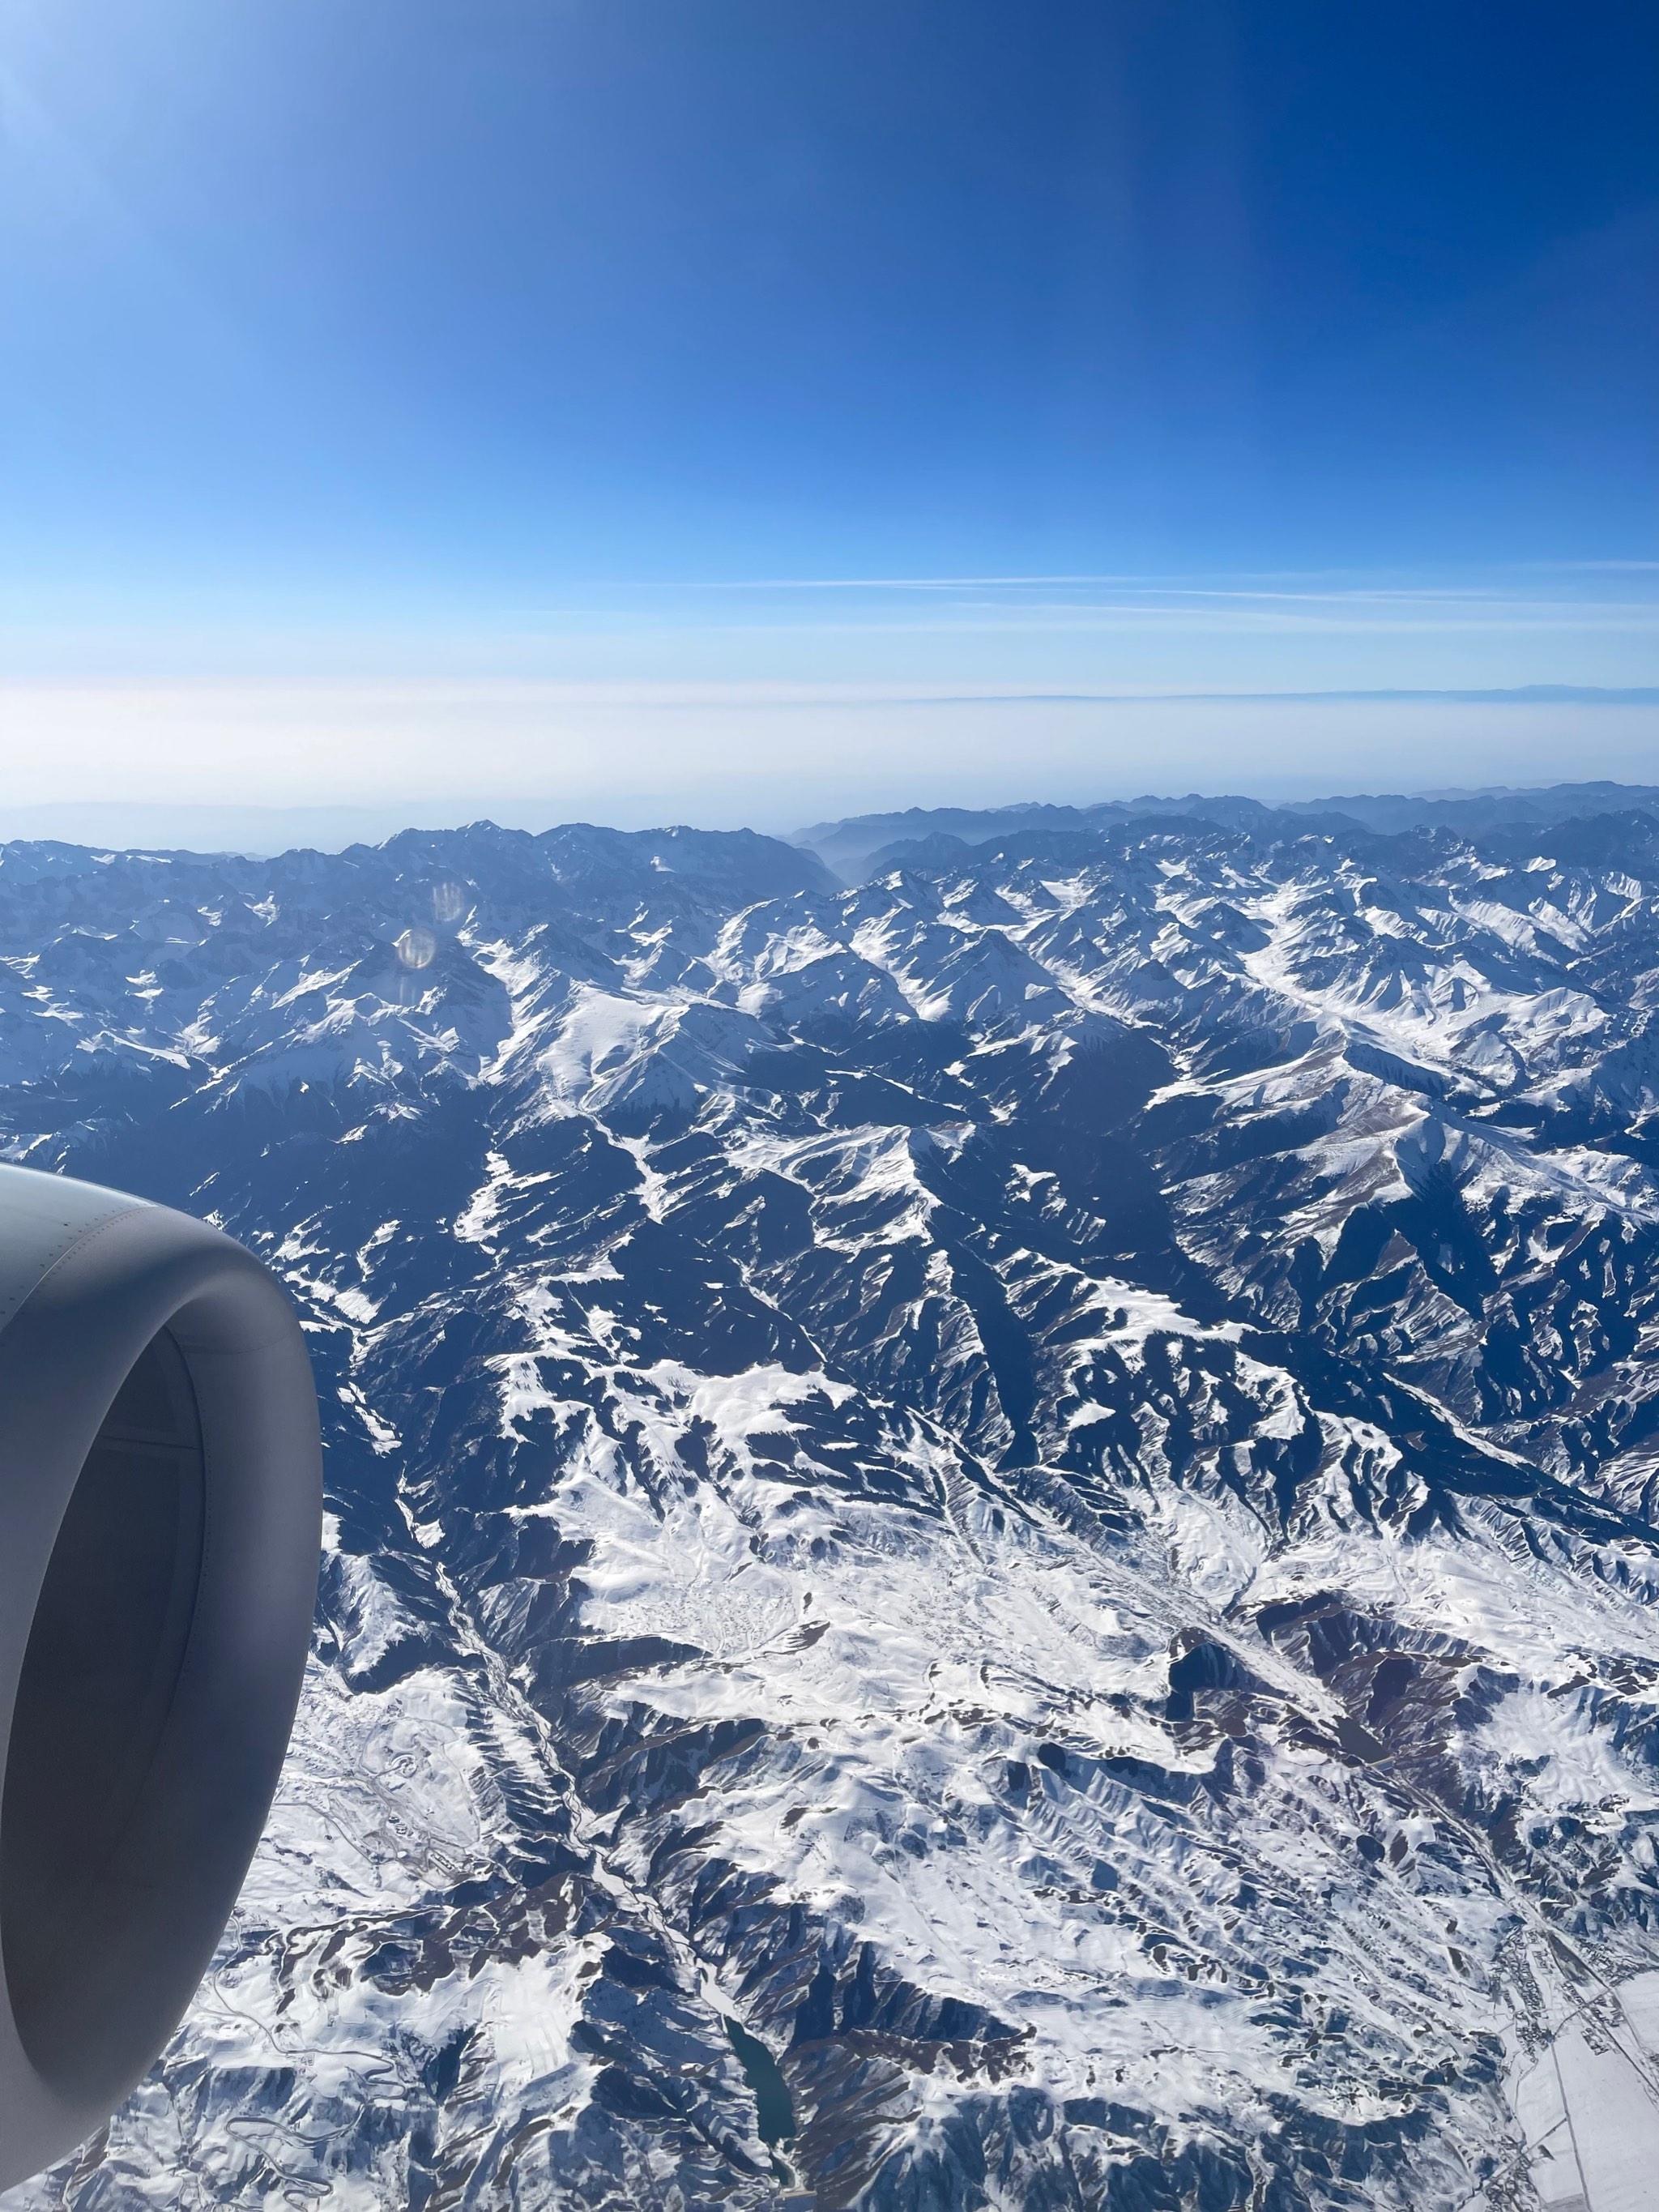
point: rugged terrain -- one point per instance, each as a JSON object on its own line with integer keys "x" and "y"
{"x": 994, "y": 1531}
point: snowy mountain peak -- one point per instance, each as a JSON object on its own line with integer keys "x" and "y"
{"x": 992, "y": 1528}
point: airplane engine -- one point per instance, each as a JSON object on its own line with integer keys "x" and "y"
{"x": 160, "y": 1522}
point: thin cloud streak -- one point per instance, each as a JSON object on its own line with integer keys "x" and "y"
{"x": 1250, "y": 584}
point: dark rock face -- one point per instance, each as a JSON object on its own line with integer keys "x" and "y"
{"x": 992, "y": 1536}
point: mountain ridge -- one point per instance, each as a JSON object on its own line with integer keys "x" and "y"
{"x": 1024, "y": 1492}
{"x": 860, "y": 843}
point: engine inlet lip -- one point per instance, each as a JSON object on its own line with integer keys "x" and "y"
{"x": 83, "y": 1295}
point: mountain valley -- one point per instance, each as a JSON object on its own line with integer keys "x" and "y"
{"x": 993, "y": 1530}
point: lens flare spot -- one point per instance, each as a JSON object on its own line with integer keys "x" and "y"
{"x": 417, "y": 946}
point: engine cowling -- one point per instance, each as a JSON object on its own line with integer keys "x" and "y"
{"x": 159, "y": 1525}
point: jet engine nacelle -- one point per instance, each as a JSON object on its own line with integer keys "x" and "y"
{"x": 159, "y": 1522}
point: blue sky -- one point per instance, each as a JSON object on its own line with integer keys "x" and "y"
{"x": 711, "y": 375}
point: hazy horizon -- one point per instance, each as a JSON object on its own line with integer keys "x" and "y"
{"x": 264, "y": 831}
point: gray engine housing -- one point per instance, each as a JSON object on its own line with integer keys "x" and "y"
{"x": 161, "y": 1498}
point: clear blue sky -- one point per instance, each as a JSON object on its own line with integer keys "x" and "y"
{"x": 521, "y": 339}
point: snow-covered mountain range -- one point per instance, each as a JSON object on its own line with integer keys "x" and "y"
{"x": 994, "y": 1530}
